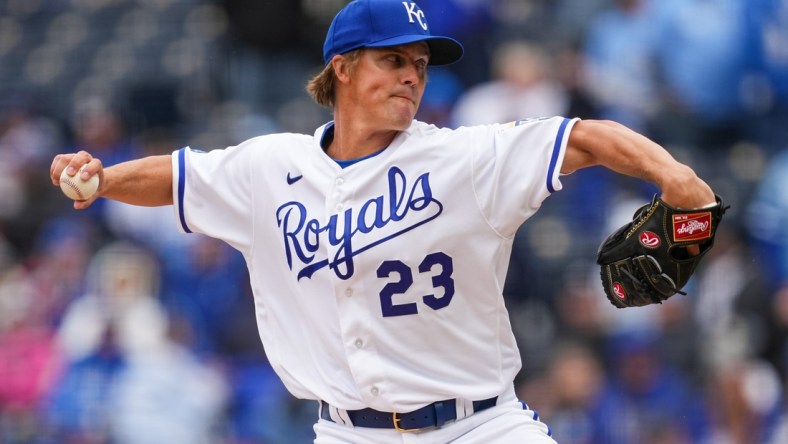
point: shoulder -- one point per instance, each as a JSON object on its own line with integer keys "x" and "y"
{"x": 420, "y": 129}
{"x": 425, "y": 134}
{"x": 264, "y": 148}
{"x": 268, "y": 145}
{"x": 278, "y": 140}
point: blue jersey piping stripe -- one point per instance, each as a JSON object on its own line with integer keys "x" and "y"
{"x": 182, "y": 187}
{"x": 554, "y": 159}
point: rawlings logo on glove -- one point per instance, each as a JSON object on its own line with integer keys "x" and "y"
{"x": 646, "y": 262}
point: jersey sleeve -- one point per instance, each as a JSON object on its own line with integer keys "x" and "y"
{"x": 212, "y": 193}
{"x": 516, "y": 166}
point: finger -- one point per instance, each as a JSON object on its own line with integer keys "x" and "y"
{"x": 81, "y": 158}
{"x": 82, "y": 204}
{"x": 693, "y": 249}
{"x": 91, "y": 168}
{"x": 77, "y": 161}
{"x": 59, "y": 163}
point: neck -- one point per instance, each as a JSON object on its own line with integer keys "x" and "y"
{"x": 353, "y": 140}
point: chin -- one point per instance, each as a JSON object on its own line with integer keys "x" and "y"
{"x": 401, "y": 114}
{"x": 405, "y": 122}
{"x": 402, "y": 121}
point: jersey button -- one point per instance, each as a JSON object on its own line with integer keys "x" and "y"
{"x": 340, "y": 181}
{"x": 359, "y": 343}
{"x": 348, "y": 292}
{"x": 374, "y": 391}
{"x": 340, "y": 207}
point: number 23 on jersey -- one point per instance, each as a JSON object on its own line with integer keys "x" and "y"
{"x": 438, "y": 266}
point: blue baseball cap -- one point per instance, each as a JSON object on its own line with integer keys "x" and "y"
{"x": 383, "y": 23}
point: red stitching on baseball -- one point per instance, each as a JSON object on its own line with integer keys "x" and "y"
{"x": 74, "y": 187}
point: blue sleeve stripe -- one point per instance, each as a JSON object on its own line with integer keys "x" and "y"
{"x": 182, "y": 187}
{"x": 556, "y": 151}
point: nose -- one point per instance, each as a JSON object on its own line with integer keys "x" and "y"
{"x": 411, "y": 75}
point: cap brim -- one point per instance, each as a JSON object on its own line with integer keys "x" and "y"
{"x": 443, "y": 50}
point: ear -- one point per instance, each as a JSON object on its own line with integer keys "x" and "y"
{"x": 341, "y": 68}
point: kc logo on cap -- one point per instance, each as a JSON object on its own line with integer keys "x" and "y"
{"x": 414, "y": 11}
{"x": 384, "y": 23}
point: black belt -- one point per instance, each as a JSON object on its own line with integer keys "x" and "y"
{"x": 432, "y": 415}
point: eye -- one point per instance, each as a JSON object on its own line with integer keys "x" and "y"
{"x": 394, "y": 59}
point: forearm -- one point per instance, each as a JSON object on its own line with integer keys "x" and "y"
{"x": 620, "y": 149}
{"x": 144, "y": 182}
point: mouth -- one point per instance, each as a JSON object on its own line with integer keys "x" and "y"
{"x": 409, "y": 99}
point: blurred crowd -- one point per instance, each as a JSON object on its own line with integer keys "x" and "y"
{"x": 116, "y": 328}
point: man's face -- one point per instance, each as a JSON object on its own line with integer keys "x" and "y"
{"x": 388, "y": 84}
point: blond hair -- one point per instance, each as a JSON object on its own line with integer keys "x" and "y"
{"x": 322, "y": 87}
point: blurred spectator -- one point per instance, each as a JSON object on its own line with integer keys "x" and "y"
{"x": 58, "y": 262}
{"x": 28, "y": 140}
{"x": 166, "y": 396}
{"x": 156, "y": 391}
{"x": 775, "y": 330}
{"x": 703, "y": 64}
{"x": 747, "y": 399}
{"x": 202, "y": 288}
{"x": 28, "y": 357}
{"x": 262, "y": 411}
{"x": 76, "y": 410}
{"x": 580, "y": 308}
{"x": 114, "y": 317}
{"x": 768, "y": 29}
{"x": 569, "y": 61}
{"x": 766, "y": 220}
{"x": 617, "y": 67}
{"x": 575, "y": 382}
{"x": 575, "y": 17}
{"x": 27, "y": 137}
{"x": 120, "y": 298}
{"x": 523, "y": 86}
{"x": 646, "y": 401}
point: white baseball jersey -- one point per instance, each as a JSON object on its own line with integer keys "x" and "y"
{"x": 379, "y": 285}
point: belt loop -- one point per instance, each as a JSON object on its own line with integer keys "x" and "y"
{"x": 341, "y": 416}
{"x": 464, "y": 408}
{"x": 333, "y": 414}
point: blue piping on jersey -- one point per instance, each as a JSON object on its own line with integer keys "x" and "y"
{"x": 329, "y": 132}
{"x": 182, "y": 187}
{"x": 554, "y": 158}
{"x": 346, "y": 163}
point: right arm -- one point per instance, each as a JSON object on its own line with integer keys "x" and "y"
{"x": 145, "y": 182}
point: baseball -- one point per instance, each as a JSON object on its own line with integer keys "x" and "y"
{"x": 76, "y": 188}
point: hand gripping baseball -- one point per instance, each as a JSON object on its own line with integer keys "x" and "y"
{"x": 646, "y": 261}
{"x": 79, "y": 176}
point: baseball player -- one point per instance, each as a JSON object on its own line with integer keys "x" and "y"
{"x": 377, "y": 247}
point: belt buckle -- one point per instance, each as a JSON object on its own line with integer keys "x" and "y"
{"x": 396, "y": 424}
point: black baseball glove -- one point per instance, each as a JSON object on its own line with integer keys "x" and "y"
{"x": 645, "y": 262}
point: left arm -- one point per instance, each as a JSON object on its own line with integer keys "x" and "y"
{"x": 616, "y": 147}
